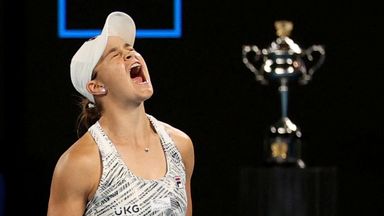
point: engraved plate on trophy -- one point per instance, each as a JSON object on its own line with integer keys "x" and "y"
{"x": 283, "y": 63}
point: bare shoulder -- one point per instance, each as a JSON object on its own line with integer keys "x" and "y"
{"x": 75, "y": 178}
{"x": 77, "y": 168}
{"x": 80, "y": 154}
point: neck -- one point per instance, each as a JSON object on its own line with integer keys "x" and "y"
{"x": 126, "y": 125}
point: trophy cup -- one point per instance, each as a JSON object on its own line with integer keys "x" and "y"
{"x": 282, "y": 63}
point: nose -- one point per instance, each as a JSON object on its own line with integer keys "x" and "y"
{"x": 128, "y": 55}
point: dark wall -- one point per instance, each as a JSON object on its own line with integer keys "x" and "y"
{"x": 1, "y": 69}
{"x": 13, "y": 158}
{"x": 203, "y": 88}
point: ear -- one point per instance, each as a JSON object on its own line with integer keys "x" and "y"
{"x": 96, "y": 88}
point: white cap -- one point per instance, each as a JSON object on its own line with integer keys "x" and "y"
{"x": 85, "y": 59}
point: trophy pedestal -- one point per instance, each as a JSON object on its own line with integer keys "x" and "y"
{"x": 288, "y": 191}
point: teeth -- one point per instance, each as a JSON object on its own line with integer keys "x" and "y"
{"x": 135, "y": 65}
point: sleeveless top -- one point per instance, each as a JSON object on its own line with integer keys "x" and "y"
{"x": 120, "y": 192}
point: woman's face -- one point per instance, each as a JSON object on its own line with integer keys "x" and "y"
{"x": 123, "y": 72}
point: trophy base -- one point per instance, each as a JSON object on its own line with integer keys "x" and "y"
{"x": 282, "y": 148}
{"x": 298, "y": 163}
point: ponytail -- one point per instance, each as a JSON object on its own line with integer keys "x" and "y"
{"x": 90, "y": 113}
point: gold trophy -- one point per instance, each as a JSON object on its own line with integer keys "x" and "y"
{"x": 284, "y": 62}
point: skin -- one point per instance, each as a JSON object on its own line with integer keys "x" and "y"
{"x": 78, "y": 170}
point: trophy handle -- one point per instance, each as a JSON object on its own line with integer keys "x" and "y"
{"x": 308, "y": 53}
{"x": 251, "y": 56}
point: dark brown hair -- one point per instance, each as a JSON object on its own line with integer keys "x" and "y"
{"x": 90, "y": 113}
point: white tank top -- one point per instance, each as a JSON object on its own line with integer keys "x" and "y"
{"x": 122, "y": 193}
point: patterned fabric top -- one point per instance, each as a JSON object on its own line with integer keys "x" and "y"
{"x": 120, "y": 192}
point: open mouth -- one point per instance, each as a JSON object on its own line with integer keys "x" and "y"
{"x": 137, "y": 74}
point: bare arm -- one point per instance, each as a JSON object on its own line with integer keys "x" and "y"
{"x": 73, "y": 181}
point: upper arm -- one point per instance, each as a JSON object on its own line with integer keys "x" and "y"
{"x": 186, "y": 149}
{"x": 72, "y": 182}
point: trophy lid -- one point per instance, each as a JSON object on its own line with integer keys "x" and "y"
{"x": 283, "y": 42}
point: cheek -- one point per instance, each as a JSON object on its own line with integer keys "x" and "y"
{"x": 114, "y": 73}
{"x": 119, "y": 73}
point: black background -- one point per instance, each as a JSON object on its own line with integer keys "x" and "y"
{"x": 203, "y": 88}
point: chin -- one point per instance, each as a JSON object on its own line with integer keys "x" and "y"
{"x": 146, "y": 94}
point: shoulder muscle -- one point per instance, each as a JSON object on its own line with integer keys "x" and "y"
{"x": 75, "y": 176}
